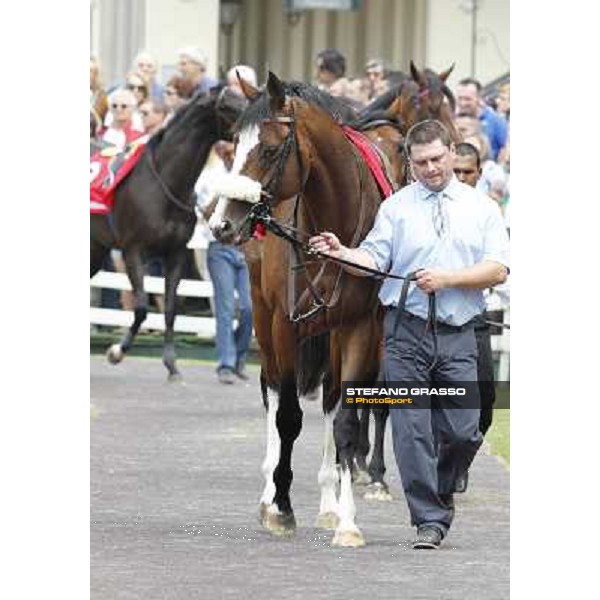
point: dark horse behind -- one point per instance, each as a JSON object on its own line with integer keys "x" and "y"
{"x": 154, "y": 213}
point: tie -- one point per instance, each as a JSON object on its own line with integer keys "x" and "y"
{"x": 438, "y": 214}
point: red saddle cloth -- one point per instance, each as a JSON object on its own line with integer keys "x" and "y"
{"x": 372, "y": 157}
{"x": 108, "y": 167}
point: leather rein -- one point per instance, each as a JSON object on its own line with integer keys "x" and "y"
{"x": 261, "y": 212}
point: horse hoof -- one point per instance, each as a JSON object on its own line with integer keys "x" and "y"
{"x": 360, "y": 477}
{"x": 348, "y": 539}
{"x": 115, "y": 354}
{"x": 263, "y": 510}
{"x": 378, "y": 492}
{"x": 280, "y": 524}
{"x": 328, "y": 520}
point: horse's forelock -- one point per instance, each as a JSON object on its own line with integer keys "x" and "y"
{"x": 260, "y": 108}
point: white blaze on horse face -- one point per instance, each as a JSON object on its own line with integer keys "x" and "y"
{"x": 247, "y": 141}
{"x": 243, "y": 186}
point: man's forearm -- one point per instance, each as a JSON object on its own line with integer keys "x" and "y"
{"x": 360, "y": 257}
{"x": 483, "y": 275}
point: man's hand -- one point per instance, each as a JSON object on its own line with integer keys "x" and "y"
{"x": 328, "y": 243}
{"x": 431, "y": 280}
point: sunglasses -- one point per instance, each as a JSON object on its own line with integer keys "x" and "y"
{"x": 123, "y": 106}
{"x": 133, "y": 88}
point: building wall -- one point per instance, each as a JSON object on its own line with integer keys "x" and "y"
{"x": 264, "y": 36}
{"x": 433, "y": 33}
{"x": 174, "y": 24}
{"x": 449, "y": 38}
{"x": 121, "y": 28}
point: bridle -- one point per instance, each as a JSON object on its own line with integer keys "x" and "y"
{"x": 261, "y": 212}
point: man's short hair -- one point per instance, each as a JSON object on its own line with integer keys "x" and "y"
{"x": 471, "y": 81}
{"x": 332, "y": 60}
{"x": 195, "y": 55}
{"x": 375, "y": 65}
{"x": 466, "y": 149}
{"x": 426, "y": 132}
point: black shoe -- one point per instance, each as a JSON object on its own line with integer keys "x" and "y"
{"x": 429, "y": 537}
{"x": 461, "y": 483}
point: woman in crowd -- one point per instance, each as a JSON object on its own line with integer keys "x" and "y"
{"x": 121, "y": 130}
{"x": 98, "y": 99}
{"x": 177, "y": 92}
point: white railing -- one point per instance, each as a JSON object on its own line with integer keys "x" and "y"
{"x": 205, "y": 327}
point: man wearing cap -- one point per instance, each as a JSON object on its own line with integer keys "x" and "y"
{"x": 192, "y": 65}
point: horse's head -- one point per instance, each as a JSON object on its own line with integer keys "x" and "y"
{"x": 272, "y": 159}
{"x": 229, "y": 105}
{"x": 432, "y": 100}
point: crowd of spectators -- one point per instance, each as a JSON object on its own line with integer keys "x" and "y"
{"x": 140, "y": 104}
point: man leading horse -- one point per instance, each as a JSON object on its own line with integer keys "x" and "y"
{"x": 455, "y": 243}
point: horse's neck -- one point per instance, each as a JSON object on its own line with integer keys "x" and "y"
{"x": 182, "y": 159}
{"x": 339, "y": 193}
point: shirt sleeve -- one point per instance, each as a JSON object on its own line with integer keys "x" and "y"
{"x": 378, "y": 242}
{"x": 496, "y": 242}
{"x": 204, "y": 187}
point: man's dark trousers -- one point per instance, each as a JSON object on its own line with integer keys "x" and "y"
{"x": 426, "y": 472}
{"x": 485, "y": 372}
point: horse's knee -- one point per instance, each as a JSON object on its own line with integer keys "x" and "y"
{"x": 289, "y": 423}
{"x": 140, "y": 313}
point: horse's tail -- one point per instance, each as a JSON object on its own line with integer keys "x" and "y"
{"x": 312, "y": 363}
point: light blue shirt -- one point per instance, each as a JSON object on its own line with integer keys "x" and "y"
{"x": 404, "y": 238}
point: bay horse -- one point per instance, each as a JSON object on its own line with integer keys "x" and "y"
{"x": 291, "y": 142}
{"x": 154, "y": 214}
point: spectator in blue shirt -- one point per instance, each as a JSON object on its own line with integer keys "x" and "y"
{"x": 470, "y": 102}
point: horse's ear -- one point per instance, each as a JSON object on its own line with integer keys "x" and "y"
{"x": 417, "y": 75}
{"x": 276, "y": 91}
{"x": 395, "y": 108}
{"x": 249, "y": 90}
{"x": 445, "y": 74}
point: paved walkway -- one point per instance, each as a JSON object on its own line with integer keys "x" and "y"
{"x": 175, "y": 483}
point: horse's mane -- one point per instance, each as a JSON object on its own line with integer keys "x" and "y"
{"x": 369, "y": 119}
{"x": 259, "y": 109}
{"x": 180, "y": 115}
